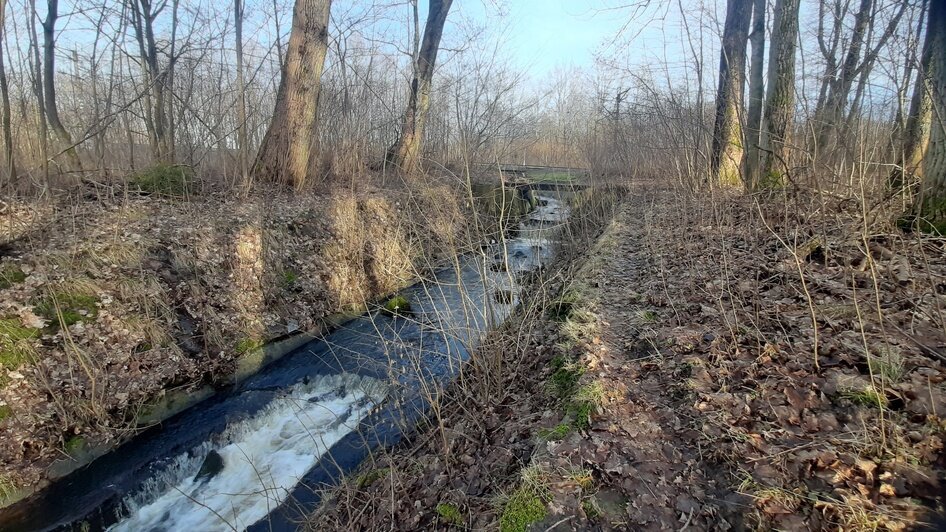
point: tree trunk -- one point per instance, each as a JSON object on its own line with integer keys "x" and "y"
{"x": 924, "y": 153}
{"x": 286, "y": 152}
{"x": 756, "y": 91}
{"x": 780, "y": 100}
{"x": 37, "y": 67}
{"x": 49, "y": 84}
{"x": 727, "y": 132}
{"x": 241, "y": 94}
{"x": 9, "y": 161}
{"x": 405, "y": 153}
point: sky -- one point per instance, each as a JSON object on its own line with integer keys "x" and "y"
{"x": 547, "y": 35}
{"x": 555, "y": 33}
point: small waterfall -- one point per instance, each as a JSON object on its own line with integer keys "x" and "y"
{"x": 262, "y": 460}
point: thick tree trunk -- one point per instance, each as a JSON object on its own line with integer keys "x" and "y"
{"x": 925, "y": 145}
{"x": 727, "y": 132}
{"x": 405, "y": 153}
{"x": 756, "y": 91}
{"x": 780, "y": 100}
{"x": 49, "y": 84}
{"x": 8, "y": 158}
{"x": 286, "y": 152}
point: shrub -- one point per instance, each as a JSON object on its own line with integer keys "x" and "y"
{"x": 164, "y": 180}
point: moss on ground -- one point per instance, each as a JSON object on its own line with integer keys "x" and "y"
{"x": 164, "y": 180}
{"x": 524, "y": 507}
{"x": 450, "y": 514}
{"x": 67, "y": 309}
{"x": 10, "y": 274}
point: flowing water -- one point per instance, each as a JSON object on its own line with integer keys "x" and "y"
{"x": 254, "y": 457}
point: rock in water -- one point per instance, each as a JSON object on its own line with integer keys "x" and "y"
{"x": 211, "y": 467}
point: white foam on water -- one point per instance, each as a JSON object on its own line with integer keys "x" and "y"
{"x": 263, "y": 459}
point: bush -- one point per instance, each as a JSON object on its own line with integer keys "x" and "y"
{"x": 164, "y": 180}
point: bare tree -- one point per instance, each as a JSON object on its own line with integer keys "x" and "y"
{"x": 727, "y": 132}
{"x": 9, "y": 160}
{"x": 286, "y": 152}
{"x": 405, "y": 153}
{"x": 49, "y": 84}
{"x": 780, "y": 98}
{"x": 143, "y": 15}
{"x": 242, "y": 142}
{"x": 856, "y": 64}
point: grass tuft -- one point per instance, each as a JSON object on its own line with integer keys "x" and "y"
{"x": 557, "y": 433}
{"x": 561, "y": 309}
{"x": 590, "y": 507}
{"x": 289, "y": 279}
{"x": 868, "y": 396}
{"x": 888, "y": 364}
{"x": 565, "y": 377}
{"x": 15, "y": 346}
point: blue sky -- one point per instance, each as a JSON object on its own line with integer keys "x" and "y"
{"x": 544, "y": 35}
{"x": 552, "y": 33}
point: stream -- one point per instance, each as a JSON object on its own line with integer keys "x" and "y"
{"x": 255, "y": 456}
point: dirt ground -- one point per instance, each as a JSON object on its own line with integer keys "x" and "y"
{"x": 715, "y": 363}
